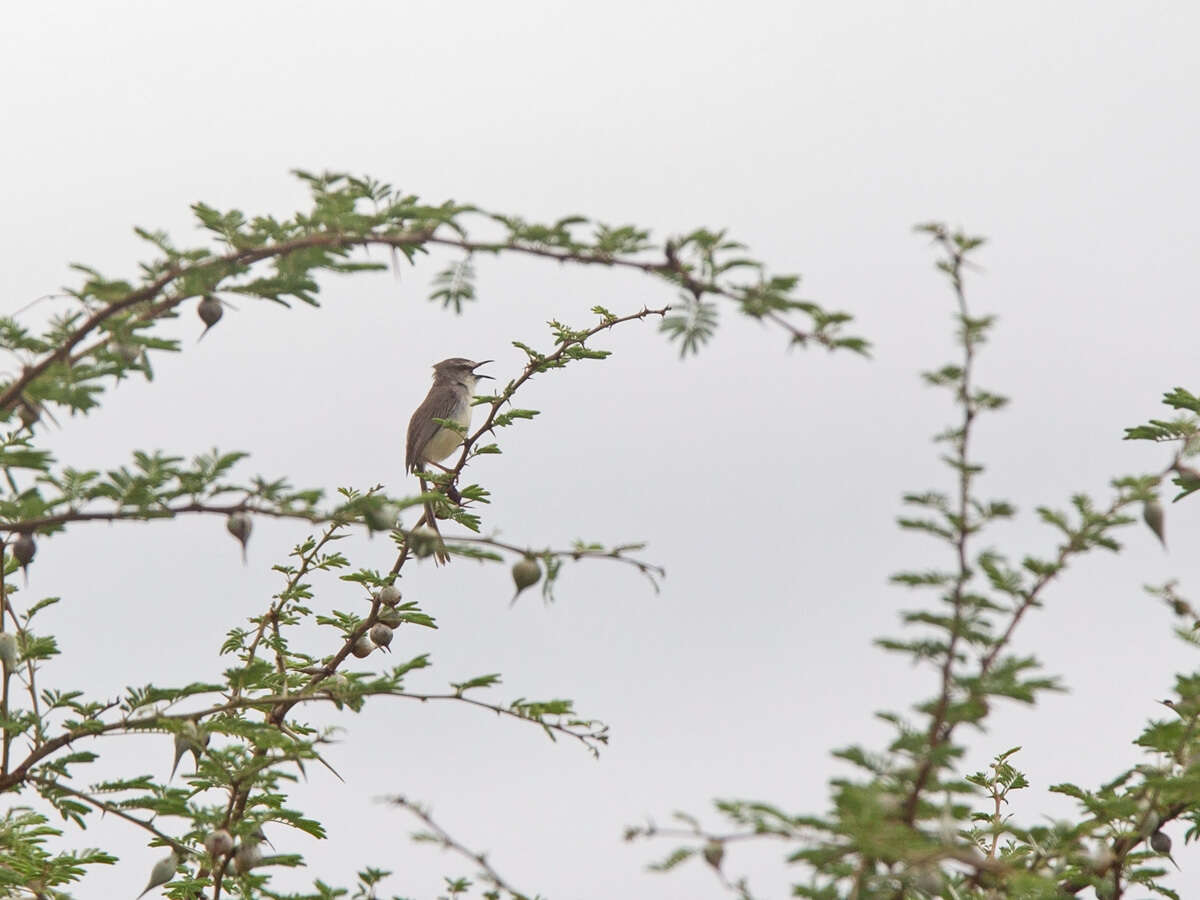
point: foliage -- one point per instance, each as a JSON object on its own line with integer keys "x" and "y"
{"x": 241, "y": 737}
{"x": 914, "y": 823}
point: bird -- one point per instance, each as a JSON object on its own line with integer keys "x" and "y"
{"x": 428, "y": 441}
{"x": 449, "y": 398}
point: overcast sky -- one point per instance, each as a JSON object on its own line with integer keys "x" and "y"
{"x": 765, "y": 481}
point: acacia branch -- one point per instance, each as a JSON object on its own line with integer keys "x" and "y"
{"x": 444, "y": 838}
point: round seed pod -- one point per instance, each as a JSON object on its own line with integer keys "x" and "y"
{"x": 247, "y": 856}
{"x": 1152, "y": 512}
{"x": 10, "y": 652}
{"x": 163, "y": 871}
{"x": 391, "y": 618}
{"x": 24, "y": 548}
{"x": 381, "y": 518}
{"x": 389, "y": 595}
{"x": 525, "y": 573}
{"x": 1160, "y": 842}
{"x": 362, "y": 647}
{"x": 714, "y": 852}
{"x": 128, "y": 352}
{"x": 210, "y": 311}
{"x": 381, "y": 635}
{"x": 423, "y": 541}
{"x": 240, "y": 525}
{"x": 28, "y": 413}
{"x": 218, "y": 843}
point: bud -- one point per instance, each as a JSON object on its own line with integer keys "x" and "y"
{"x": 423, "y": 541}
{"x": 362, "y": 647}
{"x": 9, "y": 651}
{"x": 1152, "y": 512}
{"x": 239, "y": 525}
{"x": 525, "y": 573}
{"x": 210, "y": 311}
{"x": 381, "y": 635}
{"x": 389, "y": 595}
{"x": 218, "y": 843}
{"x": 163, "y": 871}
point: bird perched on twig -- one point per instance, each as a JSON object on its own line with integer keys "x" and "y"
{"x": 449, "y": 399}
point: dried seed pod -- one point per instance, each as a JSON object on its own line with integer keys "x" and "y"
{"x": 389, "y": 595}
{"x": 218, "y": 843}
{"x": 525, "y": 573}
{"x": 210, "y": 311}
{"x": 1152, "y": 512}
{"x": 423, "y": 541}
{"x": 381, "y": 635}
{"x": 714, "y": 852}
{"x": 362, "y": 647}
{"x": 163, "y": 871}
{"x": 240, "y": 525}
{"x": 10, "y": 652}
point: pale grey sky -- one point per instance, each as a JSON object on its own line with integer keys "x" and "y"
{"x": 766, "y": 481}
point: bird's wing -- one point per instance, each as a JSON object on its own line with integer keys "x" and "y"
{"x": 422, "y": 428}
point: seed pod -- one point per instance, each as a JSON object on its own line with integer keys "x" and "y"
{"x": 218, "y": 843}
{"x": 210, "y": 311}
{"x": 1160, "y": 842}
{"x": 525, "y": 573}
{"x": 9, "y": 651}
{"x": 391, "y": 618}
{"x": 381, "y": 634}
{"x": 1152, "y": 512}
{"x": 714, "y": 852}
{"x": 191, "y": 738}
{"x": 24, "y": 549}
{"x": 163, "y": 871}
{"x": 240, "y": 525}
{"x": 247, "y": 856}
{"x": 362, "y": 647}
{"x": 1187, "y": 475}
{"x": 423, "y": 541}
{"x": 389, "y": 595}
{"x": 382, "y": 517}
{"x": 28, "y": 413}
{"x": 127, "y": 351}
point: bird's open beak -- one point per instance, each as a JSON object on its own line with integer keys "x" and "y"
{"x": 477, "y": 365}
